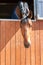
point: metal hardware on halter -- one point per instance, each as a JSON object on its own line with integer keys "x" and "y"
{"x": 25, "y": 17}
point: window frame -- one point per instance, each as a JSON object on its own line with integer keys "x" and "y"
{"x": 38, "y": 17}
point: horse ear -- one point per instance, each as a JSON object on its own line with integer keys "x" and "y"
{"x": 18, "y": 12}
{"x": 30, "y": 14}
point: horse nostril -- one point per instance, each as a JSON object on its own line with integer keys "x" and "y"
{"x": 27, "y": 45}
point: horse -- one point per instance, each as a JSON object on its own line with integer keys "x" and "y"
{"x": 25, "y": 28}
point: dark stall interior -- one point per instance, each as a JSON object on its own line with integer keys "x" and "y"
{"x": 7, "y": 8}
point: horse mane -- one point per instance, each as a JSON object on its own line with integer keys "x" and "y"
{"x": 18, "y": 12}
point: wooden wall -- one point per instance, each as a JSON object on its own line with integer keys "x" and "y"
{"x": 12, "y": 50}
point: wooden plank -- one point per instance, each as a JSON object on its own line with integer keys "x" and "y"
{"x": 8, "y": 42}
{"x": 13, "y": 43}
{"x": 12, "y": 47}
{"x": 33, "y": 44}
{"x": 27, "y": 59}
{"x": 17, "y": 40}
{"x": 2, "y": 43}
{"x": 37, "y": 43}
{"x": 28, "y": 52}
{"x": 23, "y": 55}
{"x": 41, "y": 41}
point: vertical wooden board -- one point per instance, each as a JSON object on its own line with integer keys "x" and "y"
{"x": 27, "y": 59}
{"x": 37, "y": 43}
{"x": 2, "y": 43}
{"x": 17, "y": 43}
{"x": 28, "y": 52}
{"x": 8, "y": 41}
{"x": 23, "y": 56}
{"x": 32, "y": 51}
{"x": 13, "y": 42}
{"x": 41, "y": 41}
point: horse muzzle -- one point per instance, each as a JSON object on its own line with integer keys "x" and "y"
{"x": 27, "y": 45}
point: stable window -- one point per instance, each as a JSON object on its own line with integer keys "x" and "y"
{"x": 6, "y": 9}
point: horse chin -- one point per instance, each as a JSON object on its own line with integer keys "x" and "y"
{"x": 27, "y": 42}
{"x": 27, "y": 45}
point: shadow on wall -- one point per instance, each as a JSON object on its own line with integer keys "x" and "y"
{"x": 6, "y": 33}
{"x": 38, "y": 25}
